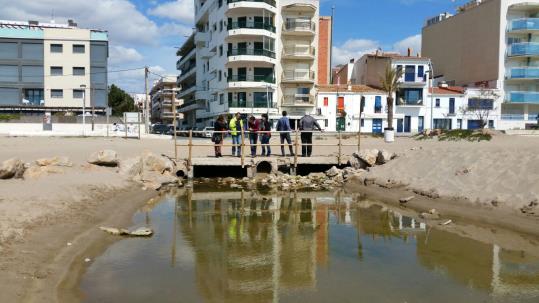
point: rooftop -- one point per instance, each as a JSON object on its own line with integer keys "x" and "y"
{"x": 36, "y": 25}
{"x": 334, "y": 88}
{"x": 449, "y": 90}
{"x": 397, "y": 56}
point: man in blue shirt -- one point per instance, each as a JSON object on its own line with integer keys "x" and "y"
{"x": 283, "y": 126}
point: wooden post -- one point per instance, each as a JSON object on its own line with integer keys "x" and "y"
{"x": 242, "y": 148}
{"x": 296, "y": 150}
{"x": 174, "y": 125}
{"x": 340, "y": 148}
{"x": 189, "y": 160}
{"x": 139, "y": 125}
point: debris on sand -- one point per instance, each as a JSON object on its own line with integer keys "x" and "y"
{"x": 139, "y": 232}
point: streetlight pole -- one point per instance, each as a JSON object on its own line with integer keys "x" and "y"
{"x": 83, "y": 87}
{"x": 431, "y": 91}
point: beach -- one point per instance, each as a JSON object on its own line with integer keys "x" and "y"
{"x": 489, "y": 181}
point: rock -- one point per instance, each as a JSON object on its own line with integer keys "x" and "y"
{"x": 141, "y": 232}
{"x": 317, "y": 176}
{"x": 369, "y": 181}
{"x": 333, "y": 172}
{"x": 446, "y": 222}
{"x": 531, "y": 208}
{"x": 153, "y": 162}
{"x": 384, "y": 156}
{"x": 429, "y": 216}
{"x": 356, "y": 163}
{"x": 34, "y": 172}
{"x": 12, "y": 168}
{"x": 406, "y": 199}
{"x": 432, "y": 193}
{"x": 104, "y": 158}
{"x": 113, "y": 231}
{"x": 131, "y": 167}
{"x": 231, "y": 180}
{"x": 463, "y": 171}
{"x": 156, "y": 181}
{"x": 369, "y": 156}
{"x": 87, "y": 260}
{"x": 55, "y": 161}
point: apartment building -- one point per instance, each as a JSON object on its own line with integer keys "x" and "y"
{"x": 492, "y": 44}
{"x": 163, "y": 96}
{"x": 252, "y": 57}
{"x": 52, "y": 67}
{"x": 410, "y": 108}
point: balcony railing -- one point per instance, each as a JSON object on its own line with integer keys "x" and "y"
{"x": 251, "y": 52}
{"x": 251, "y": 78}
{"x": 523, "y": 49}
{"x": 299, "y": 51}
{"x": 251, "y": 25}
{"x": 523, "y": 97}
{"x": 291, "y": 75}
{"x": 525, "y": 24}
{"x": 270, "y": 2}
{"x": 299, "y": 25}
{"x": 298, "y": 99}
{"x": 250, "y": 104}
{"x": 523, "y": 73}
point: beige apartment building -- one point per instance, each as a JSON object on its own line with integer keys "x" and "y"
{"x": 163, "y": 96}
{"x": 493, "y": 44}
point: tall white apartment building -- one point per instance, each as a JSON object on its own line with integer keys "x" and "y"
{"x": 495, "y": 44}
{"x": 250, "y": 56}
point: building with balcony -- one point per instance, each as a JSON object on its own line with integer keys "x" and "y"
{"x": 492, "y": 44}
{"x": 164, "y": 102}
{"x": 50, "y": 67}
{"x": 250, "y": 56}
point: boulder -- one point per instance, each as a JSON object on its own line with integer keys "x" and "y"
{"x": 34, "y": 172}
{"x": 104, "y": 158}
{"x": 54, "y": 161}
{"x": 384, "y": 156}
{"x": 333, "y": 172}
{"x": 131, "y": 167}
{"x": 317, "y": 175}
{"x": 156, "y": 181}
{"x": 356, "y": 163}
{"x": 141, "y": 232}
{"x": 369, "y": 156}
{"x": 12, "y": 168}
{"x": 153, "y": 162}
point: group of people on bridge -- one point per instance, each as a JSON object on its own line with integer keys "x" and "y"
{"x": 260, "y": 130}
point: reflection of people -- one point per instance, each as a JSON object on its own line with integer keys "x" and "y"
{"x": 307, "y": 124}
{"x": 283, "y": 126}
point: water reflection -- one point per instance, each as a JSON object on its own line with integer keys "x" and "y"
{"x": 313, "y": 247}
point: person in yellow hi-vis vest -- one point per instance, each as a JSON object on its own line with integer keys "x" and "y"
{"x": 236, "y": 128}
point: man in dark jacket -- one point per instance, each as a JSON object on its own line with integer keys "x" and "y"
{"x": 283, "y": 126}
{"x": 307, "y": 124}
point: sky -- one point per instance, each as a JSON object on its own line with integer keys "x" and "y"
{"x": 147, "y": 32}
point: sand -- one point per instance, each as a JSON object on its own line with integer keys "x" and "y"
{"x": 38, "y": 217}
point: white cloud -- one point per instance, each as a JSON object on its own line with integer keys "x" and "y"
{"x": 125, "y": 24}
{"x": 412, "y": 42}
{"x": 120, "y": 55}
{"x": 353, "y": 49}
{"x": 179, "y": 10}
{"x": 176, "y": 29}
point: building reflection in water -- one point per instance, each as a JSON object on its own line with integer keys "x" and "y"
{"x": 252, "y": 249}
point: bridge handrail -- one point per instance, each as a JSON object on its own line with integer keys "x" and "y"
{"x": 295, "y": 142}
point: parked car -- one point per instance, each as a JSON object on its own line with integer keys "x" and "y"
{"x": 207, "y": 132}
{"x": 160, "y": 129}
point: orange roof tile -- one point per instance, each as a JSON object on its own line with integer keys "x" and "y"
{"x": 343, "y": 88}
{"x": 450, "y": 90}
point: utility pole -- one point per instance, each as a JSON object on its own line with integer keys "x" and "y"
{"x": 331, "y": 46}
{"x": 92, "y": 95}
{"x": 146, "y": 102}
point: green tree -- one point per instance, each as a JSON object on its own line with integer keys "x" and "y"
{"x": 120, "y": 101}
{"x": 390, "y": 84}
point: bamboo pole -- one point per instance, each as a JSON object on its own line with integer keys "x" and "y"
{"x": 296, "y": 150}
{"x": 189, "y": 160}
{"x": 242, "y": 148}
{"x": 340, "y": 148}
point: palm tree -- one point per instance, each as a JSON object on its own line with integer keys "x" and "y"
{"x": 390, "y": 84}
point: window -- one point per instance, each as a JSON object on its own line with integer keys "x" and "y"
{"x": 340, "y": 103}
{"x": 78, "y": 94}
{"x": 261, "y": 99}
{"x": 377, "y": 104}
{"x": 98, "y": 53}
{"x": 98, "y": 75}
{"x": 9, "y": 73}
{"x": 222, "y": 99}
{"x": 79, "y": 71}
{"x": 221, "y": 26}
{"x": 242, "y": 99}
{"x": 220, "y": 75}
{"x": 57, "y": 48}
{"x": 409, "y": 73}
{"x": 476, "y": 103}
{"x": 9, "y": 50}
{"x": 79, "y": 49}
{"x": 410, "y": 96}
{"x": 32, "y": 51}
{"x": 57, "y": 71}
{"x": 220, "y": 3}
{"x": 399, "y": 68}
{"x": 420, "y": 71}
{"x": 491, "y": 124}
{"x": 220, "y": 50}
{"x": 442, "y": 123}
{"x": 9, "y": 96}
{"x": 32, "y": 74}
{"x": 362, "y": 122}
{"x": 326, "y": 101}
{"x": 230, "y": 99}
{"x": 451, "y": 105}
{"x": 57, "y": 93}
{"x": 437, "y": 102}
